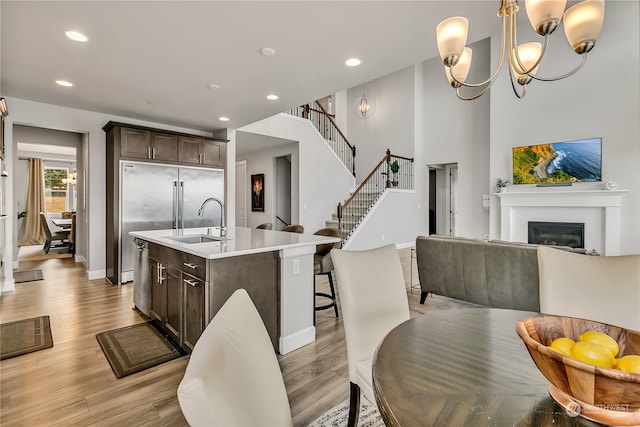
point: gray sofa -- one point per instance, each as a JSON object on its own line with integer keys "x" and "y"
{"x": 489, "y": 273}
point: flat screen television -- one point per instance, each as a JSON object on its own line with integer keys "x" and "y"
{"x": 558, "y": 162}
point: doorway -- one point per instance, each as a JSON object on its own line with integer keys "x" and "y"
{"x": 443, "y": 194}
{"x": 61, "y": 155}
{"x": 282, "y": 191}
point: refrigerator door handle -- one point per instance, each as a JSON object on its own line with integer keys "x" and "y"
{"x": 182, "y": 205}
{"x": 175, "y": 205}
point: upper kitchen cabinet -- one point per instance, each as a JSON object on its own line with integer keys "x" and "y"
{"x": 200, "y": 151}
{"x": 134, "y": 142}
{"x": 147, "y": 145}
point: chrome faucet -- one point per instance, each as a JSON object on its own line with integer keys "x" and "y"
{"x": 223, "y": 228}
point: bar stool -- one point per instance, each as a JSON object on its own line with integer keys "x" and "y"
{"x": 322, "y": 264}
{"x": 265, "y": 226}
{"x": 293, "y": 228}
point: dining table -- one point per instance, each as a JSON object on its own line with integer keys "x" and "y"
{"x": 64, "y": 223}
{"x": 463, "y": 367}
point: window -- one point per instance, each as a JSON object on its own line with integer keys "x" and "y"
{"x": 59, "y": 189}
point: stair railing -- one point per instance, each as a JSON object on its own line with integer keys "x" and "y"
{"x": 327, "y": 127}
{"x": 352, "y": 212}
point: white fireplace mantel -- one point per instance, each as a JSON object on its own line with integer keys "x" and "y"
{"x": 601, "y": 208}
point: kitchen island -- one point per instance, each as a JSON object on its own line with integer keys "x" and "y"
{"x": 187, "y": 276}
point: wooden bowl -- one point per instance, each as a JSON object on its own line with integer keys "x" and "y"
{"x": 599, "y": 391}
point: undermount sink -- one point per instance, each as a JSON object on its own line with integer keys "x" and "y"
{"x": 197, "y": 238}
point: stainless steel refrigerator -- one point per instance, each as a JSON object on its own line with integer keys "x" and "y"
{"x": 156, "y": 197}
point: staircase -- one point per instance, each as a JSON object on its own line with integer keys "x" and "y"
{"x": 360, "y": 206}
{"x": 323, "y": 122}
{"x": 391, "y": 172}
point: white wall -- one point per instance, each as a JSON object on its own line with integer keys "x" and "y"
{"x": 602, "y": 99}
{"x": 457, "y": 131}
{"x": 86, "y": 122}
{"x": 263, "y": 162}
{"x": 390, "y": 126}
{"x": 322, "y": 180}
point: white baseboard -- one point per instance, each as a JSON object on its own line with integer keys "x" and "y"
{"x": 297, "y": 340}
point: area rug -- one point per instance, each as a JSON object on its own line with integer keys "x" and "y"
{"x": 25, "y": 336}
{"x": 134, "y": 348}
{"x": 339, "y": 415}
{"x": 27, "y": 276}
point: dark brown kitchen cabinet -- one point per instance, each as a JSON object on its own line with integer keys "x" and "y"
{"x": 194, "y": 310}
{"x": 200, "y": 151}
{"x": 147, "y": 145}
{"x": 178, "y": 294}
{"x": 166, "y": 290}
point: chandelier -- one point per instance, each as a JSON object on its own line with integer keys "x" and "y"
{"x": 582, "y": 25}
{"x": 364, "y": 107}
{"x": 70, "y": 179}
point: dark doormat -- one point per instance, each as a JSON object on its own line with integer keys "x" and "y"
{"x": 25, "y": 336}
{"x": 27, "y": 276}
{"x": 134, "y": 348}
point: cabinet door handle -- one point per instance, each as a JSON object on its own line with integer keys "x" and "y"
{"x": 190, "y": 265}
{"x": 149, "y": 153}
{"x": 160, "y": 273}
{"x": 153, "y": 153}
{"x": 190, "y": 282}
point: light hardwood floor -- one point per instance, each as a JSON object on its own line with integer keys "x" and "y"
{"x": 72, "y": 383}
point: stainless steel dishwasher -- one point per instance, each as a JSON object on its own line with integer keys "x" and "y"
{"x": 142, "y": 278}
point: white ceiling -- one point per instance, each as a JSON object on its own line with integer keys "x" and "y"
{"x": 153, "y": 60}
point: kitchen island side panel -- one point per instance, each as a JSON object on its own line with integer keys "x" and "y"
{"x": 259, "y": 274}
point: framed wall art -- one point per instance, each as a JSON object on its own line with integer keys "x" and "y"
{"x": 257, "y": 193}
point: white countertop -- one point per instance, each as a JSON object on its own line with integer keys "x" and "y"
{"x": 239, "y": 241}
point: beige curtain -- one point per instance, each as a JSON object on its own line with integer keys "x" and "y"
{"x": 32, "y": 232}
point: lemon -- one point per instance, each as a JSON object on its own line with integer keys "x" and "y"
{"x": 603, "y": 339}
{"x": 629, "y": 363}
{"x": 562, "y": 345}
{"x": 593, "y": 353}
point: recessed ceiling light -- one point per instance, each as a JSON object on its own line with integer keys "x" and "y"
{"x": 76, "y": 36}
{"x": 267, "y": 51}
{"x": 223, "y": 119}
{"x": 213, "y": 86}
{"x": 64, "y": 83}
{"x": 272, "y": 97}
{"x": 352, "y": 62}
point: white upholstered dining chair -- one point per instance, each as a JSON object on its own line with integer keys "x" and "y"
{"x": 233, "y": 377}
{"x": 373, "y": 301}
{"x": 601, "y": 288}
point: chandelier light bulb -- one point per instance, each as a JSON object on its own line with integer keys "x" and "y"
{"x": 545, "y": 15}
{"x": 451, "y": 36}
{"x": 461, "y": 70}
{"x": 583, "y": 23}
{"x": 529, "y": 54}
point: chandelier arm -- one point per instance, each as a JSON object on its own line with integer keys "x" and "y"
{"x": 495, "y": 73}
{"x": 477, "y": 95}
{"x": 516, "y": 54}
{"x": 514, "y": 87}
{"x": 569, "y": 74}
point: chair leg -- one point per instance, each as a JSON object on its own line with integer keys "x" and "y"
{"x": 354, "y": 404}
{"x": 47, "y": 245}
{"x": 333, "y": 294}
{"x": 423, "y": 296}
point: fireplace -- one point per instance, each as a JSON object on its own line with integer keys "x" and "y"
{"x": 557, "y": 233}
